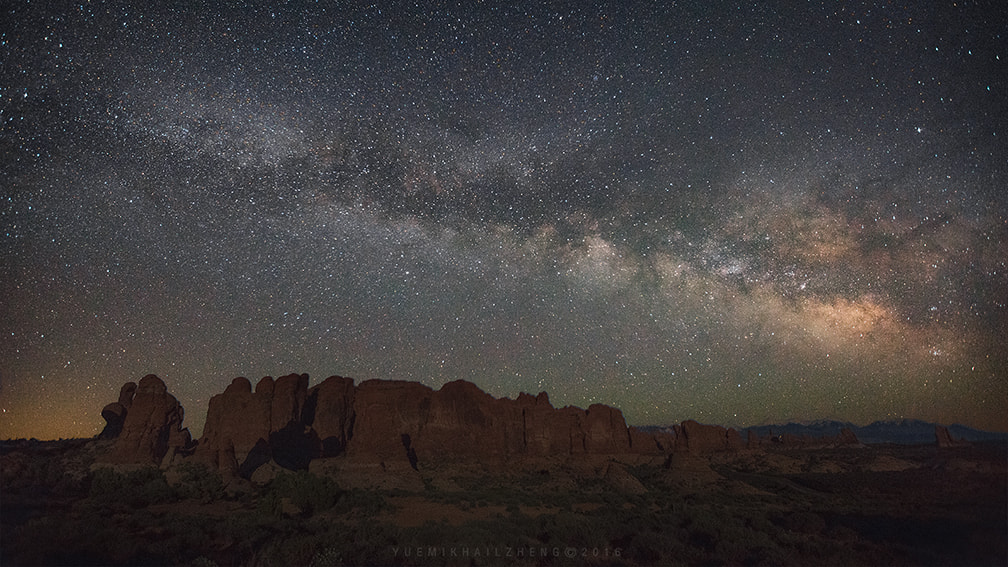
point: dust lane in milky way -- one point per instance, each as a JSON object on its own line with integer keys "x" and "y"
{"x": 738, "y": 215}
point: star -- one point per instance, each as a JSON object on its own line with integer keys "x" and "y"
{"x": 626, "y": 204}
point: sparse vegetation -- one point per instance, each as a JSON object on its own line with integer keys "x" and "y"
{"x": 299, "y": 493}
{"x": 136, "y": 488}
{"x": 196, "y": 481}
{"x": 940, "y": 512}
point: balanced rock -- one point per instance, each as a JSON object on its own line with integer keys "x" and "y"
{"x": 942, "y": 436}
{"x": 115, "y": 412}
{"x": 115, "y": 416}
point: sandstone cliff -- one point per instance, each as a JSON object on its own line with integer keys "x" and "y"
{"x": 383, "y": 423}
{"x": 150, "y": 429}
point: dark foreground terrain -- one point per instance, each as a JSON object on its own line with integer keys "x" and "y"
{"x": 875, "y": 505}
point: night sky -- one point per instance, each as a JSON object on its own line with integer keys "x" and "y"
{"x": 739, "y": 214}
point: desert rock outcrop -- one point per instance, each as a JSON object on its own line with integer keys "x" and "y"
{"x": 700, "y": 438}
{"x": 329, "y": 409}
{"x": 114, "y": 415}
{"x": 385, "y": 424}
{"x": 152, "y": 424}
{"x": 115, "y": 412}
{"x": 945, "y": 440}
{"x": 646, "y": 443}
{"x": 847, "y": 437}
{"x": 245, "y": 429}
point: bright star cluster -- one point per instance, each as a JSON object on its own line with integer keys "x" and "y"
{"x": 739, "y": 214}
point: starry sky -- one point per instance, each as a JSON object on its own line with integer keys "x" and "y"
{"x": 730, "y": 212}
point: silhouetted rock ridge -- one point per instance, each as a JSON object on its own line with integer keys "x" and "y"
{"x": 390, "y": 424}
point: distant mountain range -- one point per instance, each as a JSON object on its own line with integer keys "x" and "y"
{"x": 900, "y": 431}
{"x": 903, "y": 431}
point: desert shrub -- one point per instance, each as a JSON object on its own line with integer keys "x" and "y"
{"x": 269, "y": 504}
{"x": 304, "y": 490}
{"x": 328, "y": 557}
{"x": 58, "y": 540}
{"x": 136, "y": 488}
{"x": 294, "y": 547}
{"x": 312, "y": 494}
{"x": 92, "y": 536}
{"x": 199, "y": 482}
{"x": 571, "y": 529}
{"x": 367, "y": 542}
{"x": 804, "y": 522}
{"x": 488, "y": 492}
{"x": 177, "y": 539}
{"x": 710, "y": 531}
{"x": 367, "y": 502}
{"x": 40, "y": 474}
{"x": 645, "y": 548}
{"x": 249, "y": 530}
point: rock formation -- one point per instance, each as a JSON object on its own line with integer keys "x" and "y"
{"x": 402, "y": 423}
{"x": 547, "y": 430}
{"x": 329, "y": 408}
{"x": 152, "y": 427}
{"x": 387, "y": 417}
{"x": 733, "y": 439}
{"x": 621, "y": 480}
{"x": 245, "y": 429}
{"x": 648, "y": 443}
{"x": 464, "y": 421}
{"x": 115, "y": 412}
{"x": 236, "y": 421}
{"x": 395, "y": 419}
{"x": 847, "y": 437}
{"x": 385, "y": 425}
{"x": 944, "y": 439}
{"x": 700, "y": 438}
{"x": 114, "y": 415}
{"x": 605, "y": 431}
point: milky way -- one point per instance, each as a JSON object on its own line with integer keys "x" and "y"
{"x": 735, "y": 214}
